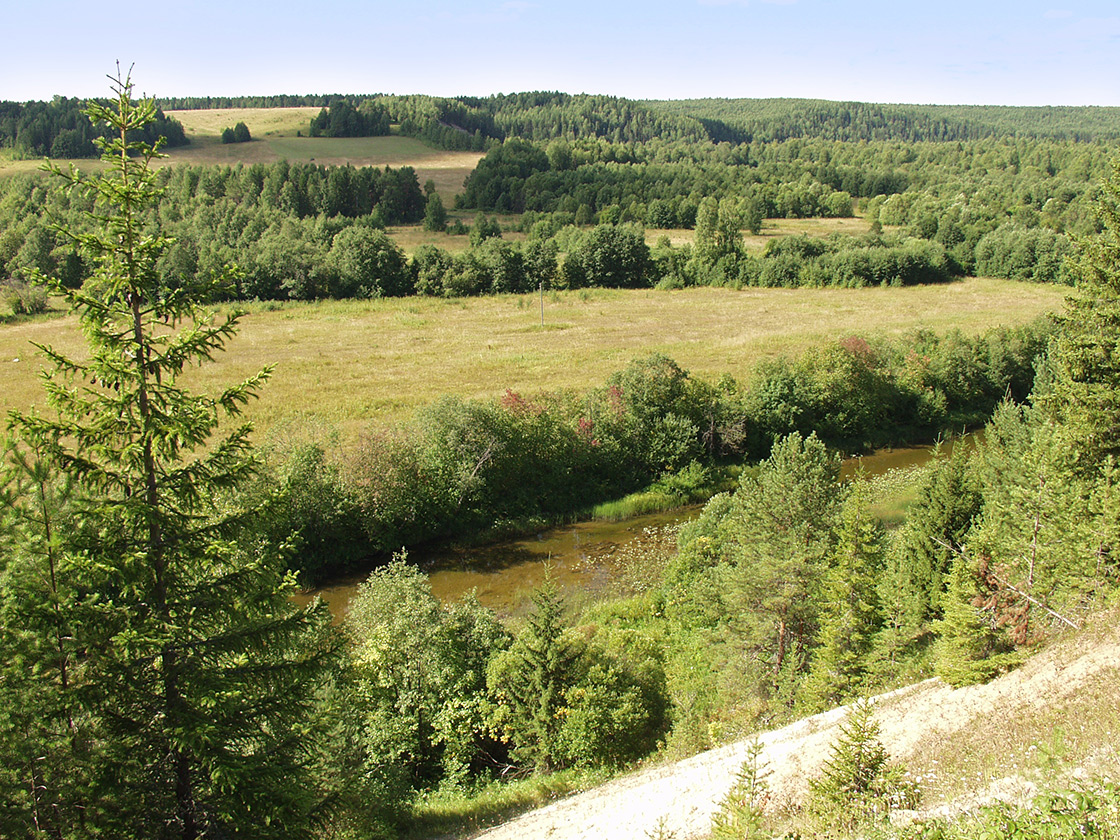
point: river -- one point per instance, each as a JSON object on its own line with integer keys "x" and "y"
{"x": 586, "y": 560}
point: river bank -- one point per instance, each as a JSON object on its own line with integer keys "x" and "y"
{"x": 587, "y": 560}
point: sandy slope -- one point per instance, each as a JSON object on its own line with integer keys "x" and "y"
{"x": 678, "y": 799}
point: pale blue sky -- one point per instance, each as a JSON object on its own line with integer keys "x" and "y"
{"x": 936, "y": 51}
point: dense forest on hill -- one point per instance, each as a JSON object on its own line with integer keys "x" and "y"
{"x": 60, "y": 129}
{"x": 540, "y": 115}
{"x": 748, "y": 120}
{"x": 1000, "y": 205}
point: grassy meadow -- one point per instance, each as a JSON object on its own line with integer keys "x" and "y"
{"x": 274, "y": 132}
{"x": 771, "y": 229}
{"x": 357, "y": 363}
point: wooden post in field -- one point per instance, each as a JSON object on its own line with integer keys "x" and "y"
{"x": 542, "y": 301}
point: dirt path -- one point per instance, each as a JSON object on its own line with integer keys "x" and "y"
{"x": 679, "y": 799}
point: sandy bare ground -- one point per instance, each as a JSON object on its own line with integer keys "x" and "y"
{"x": 678, "y": 800}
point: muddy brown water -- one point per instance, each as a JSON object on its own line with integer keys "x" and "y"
{"x": 586, "y": 560}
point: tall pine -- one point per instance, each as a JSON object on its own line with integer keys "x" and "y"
{"x": 179, "y": 675}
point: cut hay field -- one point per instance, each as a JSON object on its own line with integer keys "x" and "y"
{"x": 274, "y": 132}
{"x": 262, "y": 122}
{"x": 274, "y": 139}
{"x": 354, "y": 364}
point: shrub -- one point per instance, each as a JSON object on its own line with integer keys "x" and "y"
{"x": 23, "y": 298}
{"x": 857, "y": 784}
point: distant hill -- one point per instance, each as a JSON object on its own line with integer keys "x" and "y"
{"x": 472, "y": 122}
{"x": 465, "y": 123}
{"x": 749, "y": 120}
{"x": 60, "y": 129}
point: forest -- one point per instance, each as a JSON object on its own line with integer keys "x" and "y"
{"x": 157, "y": 680}
{"x": 1001, "y": 202}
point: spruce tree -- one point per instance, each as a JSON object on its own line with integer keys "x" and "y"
{"x": 531, "y": 678}
{"x": 185, "y": 669}
{"x": 858, "y": 783}
{"x": 917, "y": 563}
{"x": 969, "y": 648}
{"x": 850, "y": 610}
{"x": 1085, "y": 396}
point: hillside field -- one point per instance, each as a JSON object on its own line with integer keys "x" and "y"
{"x": 274, "y": 132}
{"x": 274, "y": 139}
{"x": 357, "y": 363}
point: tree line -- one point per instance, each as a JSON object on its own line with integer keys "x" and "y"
{"x": 748, "y": 120}
{"x": 60, "y": 129}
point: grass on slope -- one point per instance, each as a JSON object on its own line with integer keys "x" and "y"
{"x": 274, "y": 132}
{"x": 357, "y": 363}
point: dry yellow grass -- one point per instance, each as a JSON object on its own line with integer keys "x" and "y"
{"x": 356, "y": 363}
{"x": 274, "y": 138}
{"x": 411, "y": 237}
{"x": 274, "y": 132}
{"x": 261, "y": 121}
{"x": 772, "y": 229}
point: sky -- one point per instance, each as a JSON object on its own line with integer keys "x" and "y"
{"x": 986, "y": 52}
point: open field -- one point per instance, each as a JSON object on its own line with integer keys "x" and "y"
{"x": 209, "y": 122}
{"x": 411, "y": 237}
{"x": 357, "y": 363}
{"x": 771, "y": 229}
{"x": 274, "y": 139}
{"x": 447, "y": 169}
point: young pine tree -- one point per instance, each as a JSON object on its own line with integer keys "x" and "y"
{"x": 858, "y": 783}
{"x": 780, "y": 535}
{"x": 183, "y": 676}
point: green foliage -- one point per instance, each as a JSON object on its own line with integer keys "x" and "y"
{"x": 342, "y": 119}
{"x": 1034, "y": 538}
{"x": 618, "y": 709}
{"x": 1086, "y": 357}
{"x": 197, "y": 675}
{"x": 484, "y": 228}
{"x": 718, "y": 231}
{"x": 531, "y": 680}
{"x": 315, "y": 513}
{"x": 740, "y": 814}
{"x": 365, "y": 263}
{"x": 435, "y": 215}
{"x": 850, "y": 614}
{"x": 238, "y": 134}
{"x": 593, "y": 699}
{"x": 23, "y": 298}
{"x": 857, "y": 784}
{"x": 969, "y": 648}
{"x": 420, "y": 677}
{"x": 62, "y": 129}
{"x": 609, "y": 256}
{"x": 1089, "y": 809}
{"x": 785, "y": 518}
{"x": 922, "y": 551}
